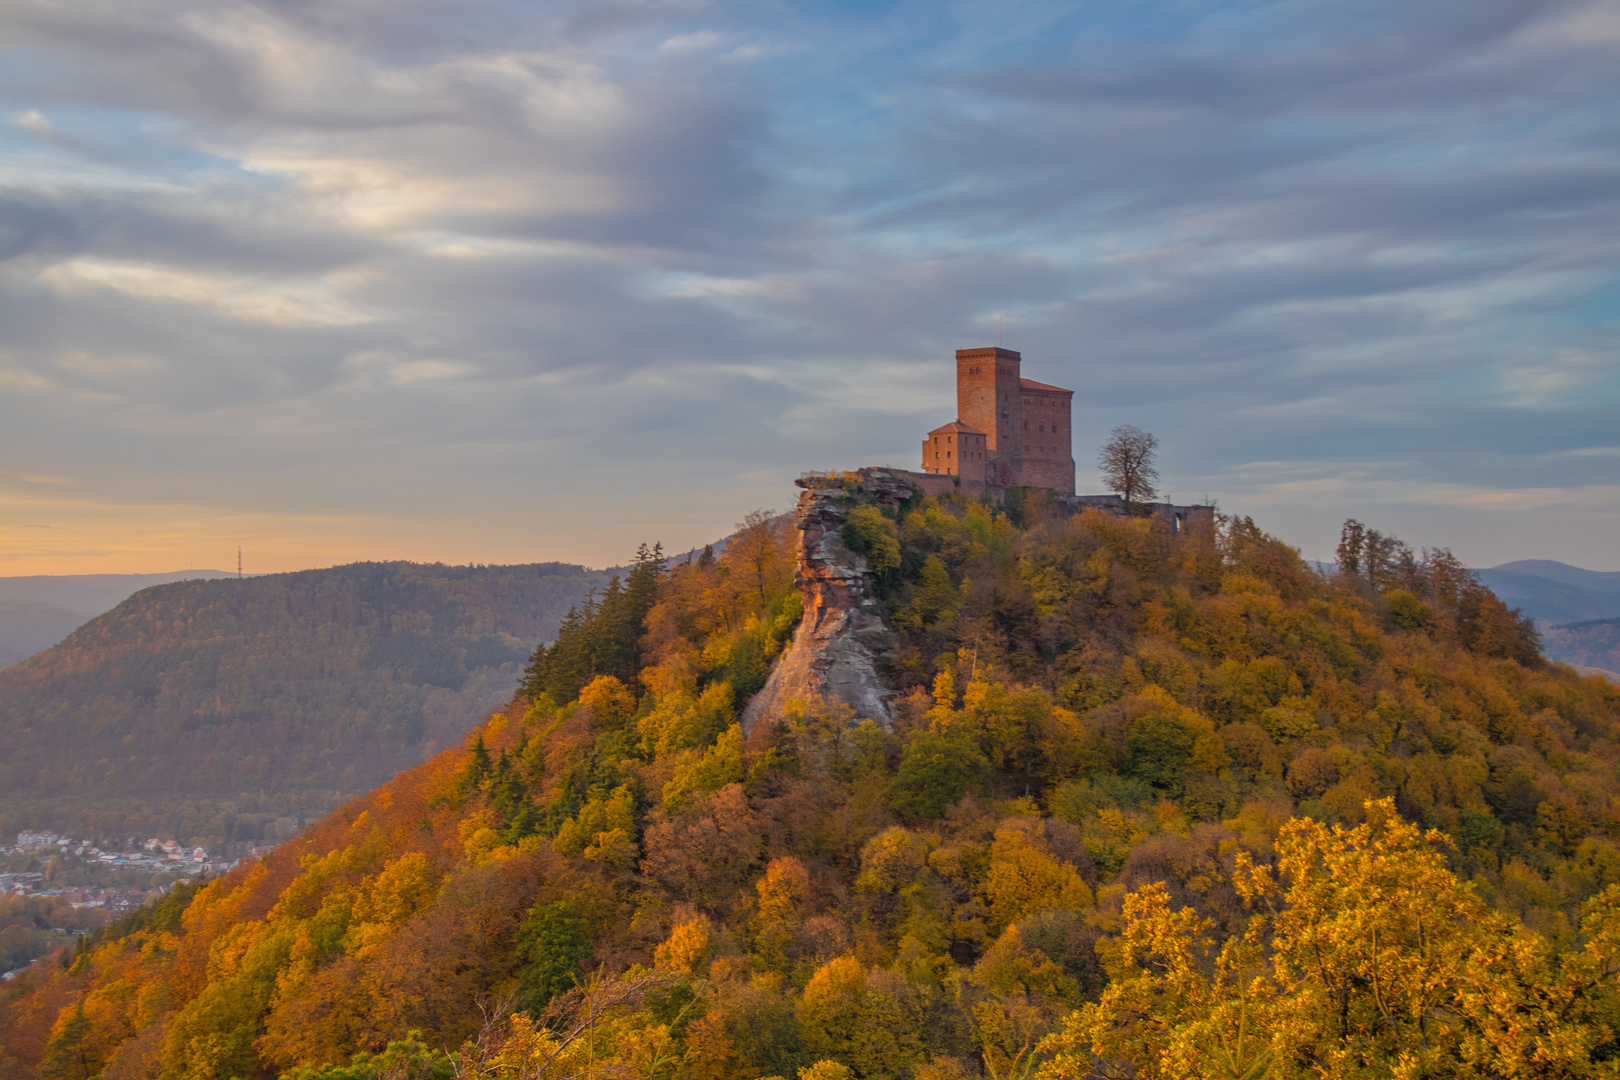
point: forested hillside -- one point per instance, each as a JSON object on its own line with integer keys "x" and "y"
{"x": 200, "y": 709}
{"x": 1150, "y": 806}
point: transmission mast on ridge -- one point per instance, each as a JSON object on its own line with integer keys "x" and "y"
{"x": 238, "y": 564}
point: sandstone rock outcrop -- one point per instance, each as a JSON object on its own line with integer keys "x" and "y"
{"x": 835, "y": 649}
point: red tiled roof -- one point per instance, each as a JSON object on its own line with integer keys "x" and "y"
{"x": 956, "y": 425}
{"x": 1031, "y": 384}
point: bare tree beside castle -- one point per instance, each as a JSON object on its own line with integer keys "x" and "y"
{"x": 1127, "y": 465}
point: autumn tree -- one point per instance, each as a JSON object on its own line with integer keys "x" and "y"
{"x": 869, "y": 1020}
{"x": 1364, "y": 956}
{"x": 1434, "y": 593}
{"x": 1025, "y": 878}
{"x": 872, "y": 534}
{"x": 1126, "y": 461}
{"x": 754, "y": 550}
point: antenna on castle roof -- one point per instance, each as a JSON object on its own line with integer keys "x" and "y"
{"x": 998, "y": 329}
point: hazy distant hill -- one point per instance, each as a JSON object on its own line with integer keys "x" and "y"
{"x": 1594, "y": 644}
{"x": 38, "y": 611}
{"x": 1555, "y": 592}
{"x": 1578, "y": 610}
{"x": 202, "y": 707}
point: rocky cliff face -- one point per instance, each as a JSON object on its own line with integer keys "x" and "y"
{"x": 834, "y": 652}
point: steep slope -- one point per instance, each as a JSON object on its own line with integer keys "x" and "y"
{"x": 197, "y": 702}
{"x": 842, "y": 637}
{"x": 1099, "y": 736}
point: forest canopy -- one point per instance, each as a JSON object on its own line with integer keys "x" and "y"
{"x": 1147, "y": 803}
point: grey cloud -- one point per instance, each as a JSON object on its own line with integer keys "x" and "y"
{"x": 228, "y": 230}
{"x": 1367, "y": 56}
{"x": 555, "y": 257}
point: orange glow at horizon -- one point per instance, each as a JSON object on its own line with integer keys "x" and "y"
{"x": 68, "y": 536}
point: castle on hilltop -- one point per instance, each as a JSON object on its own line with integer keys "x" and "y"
{"x": 1009, "y": 431}
{"x": 1012, "y": 432}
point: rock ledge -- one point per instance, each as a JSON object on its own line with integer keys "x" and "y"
{"x": 835, "y": 649}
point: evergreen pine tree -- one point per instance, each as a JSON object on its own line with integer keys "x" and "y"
{"x": 602, "y": 638}
{"x": 478, "y": 768}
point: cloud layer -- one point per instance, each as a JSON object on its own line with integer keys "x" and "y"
{"x": 490, "y": 282}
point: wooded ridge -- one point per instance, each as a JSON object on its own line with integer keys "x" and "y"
{"x": 1151, "y": 806}
{"x": 199, "y": 710}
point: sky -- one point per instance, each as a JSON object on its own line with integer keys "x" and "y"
{"x": 474, "y": 281}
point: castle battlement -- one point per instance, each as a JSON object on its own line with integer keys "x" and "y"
{"x": 892, "y": 487}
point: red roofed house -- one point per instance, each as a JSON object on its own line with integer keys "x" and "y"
{"x": 956, "y": 450}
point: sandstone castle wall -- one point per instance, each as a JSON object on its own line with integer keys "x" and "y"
{"x": 1025, "y": 426}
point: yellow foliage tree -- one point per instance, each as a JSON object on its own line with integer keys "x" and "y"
{"x": 679, "y": 722}
{"x": 783, "y": 890}
{"x": 870, "y": 1021}
{"x": 610, "y": 701}
{"x": 825, "y": 1070}
{"x": 400, "y": 890}
{"x": 603, "y": 825}
{"x": 686, "y": 947}
{"x": 1025, "y": 878}
{"x": 1366, "y": 957}
{"x": 707, "y": 770}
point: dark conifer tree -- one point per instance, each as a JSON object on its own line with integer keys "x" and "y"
{"x": 603, "y": 638}
{"x": 472, "y": 778}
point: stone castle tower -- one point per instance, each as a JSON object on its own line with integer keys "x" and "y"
{"x": 1009, "y": 430}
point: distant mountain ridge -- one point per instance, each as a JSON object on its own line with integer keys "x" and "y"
{"x": 200, "y": 708}
{"x": 39, "y": 610}
{"x": 1601, "y": 580}
{"x": 1577, "y": 610}
{"x": 1555, "y": 592}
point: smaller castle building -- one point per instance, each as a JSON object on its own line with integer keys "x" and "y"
{"x": 956, "y": 450}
